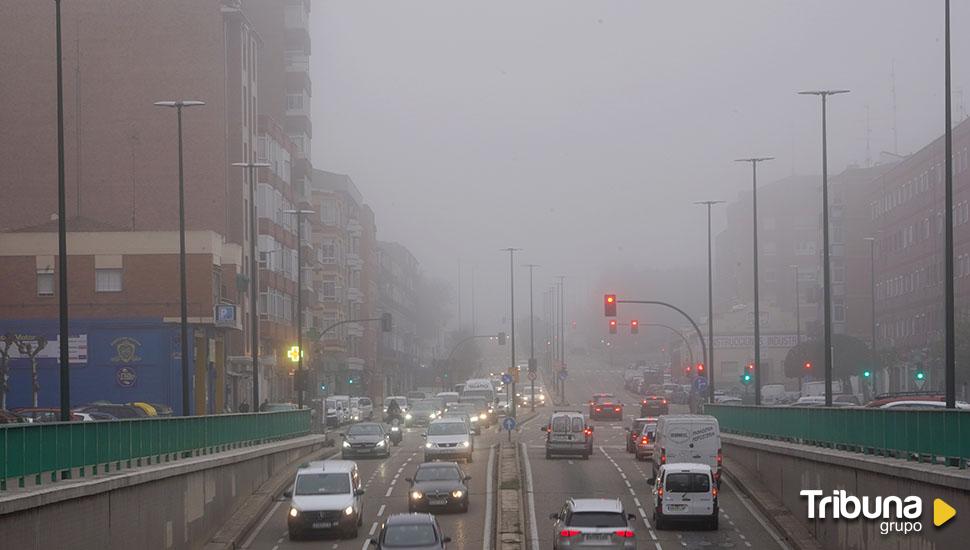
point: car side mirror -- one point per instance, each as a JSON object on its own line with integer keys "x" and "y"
{"x": 446, "y": 539}
{"x": 652, "y": 481}
{"x": 424, "y": 435}
{"x": 544, "y": 429}
{"x": 288, "y": 494}
{"x": 554, "y": 516}
{"x": 631, "y": 517}
{"x": 359, "y": 492}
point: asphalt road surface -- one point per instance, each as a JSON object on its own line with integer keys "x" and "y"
{"x": 610, "y": 472}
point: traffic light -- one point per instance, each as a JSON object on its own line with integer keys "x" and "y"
{"x": 501, "y": 338}
{"x": 700, "y": 369}
{"x": 634, "y": 327}
{"x": 808, "y": 365}
{"x": 687, "y": 371}
{"x": 386, "y": 322}
{"x": 867, "y": 373}
{"x": 612, "y": 326}
{"x": 609, "y": 303}
{"x": 919, "y": 375}
{"x": 746, "y": 378}
{"x": 351, "y": 380}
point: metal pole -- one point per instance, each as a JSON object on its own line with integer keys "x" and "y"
{"x": 710, "y": 303}
{"x": 183, "y": 306}
{"x": 532, "y": 341}
{"x": 798, "y": 323}
{"x": 253, "y": 286}
{"x": 65, "y": 357}
{"x": 562, "y": 331}
{"x": 949, "y": 354}
{"x": 511, "y": 252}
{"x": 299, "y": 308}
{"x": 872, "y": 307}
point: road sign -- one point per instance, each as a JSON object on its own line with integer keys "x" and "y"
{"x": 506, "y": 378}
{"x": 437, "y": 380}
{"x": 533, "y": 364}
{"x": 532, "y": 376}
{"x": 563, "y": 374}
{"x": 508, "y": 424}
{"x": 700, "y": 384}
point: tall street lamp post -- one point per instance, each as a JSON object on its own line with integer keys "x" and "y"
{"x": 65, "y": 357}
{"x": 798, "y": 318}
{"x": 251, "y": 168}
{"x": 710, "y": 302}
{"x": 872, "y": 306}
{"x": 512, "y": 252}
{"x": 826, "y": 289}
{"x": 757, "y": 310}
{"x": 562, "y": 335}
{"x": 300, "y": 376}
{"x": 949, "y": 352}
{"x": 532, "y": 342}
{"x": 178, "y": 105}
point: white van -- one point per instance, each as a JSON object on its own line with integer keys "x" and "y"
{"x": 325, "y": 496}
{"x": 363, "y": 408}
{"x": 479, "y": 387}
{"x": 684, "y": 491}
{"x": 339, "y": 405}
{"x": 690, "y": 438}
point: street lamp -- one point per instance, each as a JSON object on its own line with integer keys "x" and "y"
{"x": 64, "y": 368}
{"x": 178, "y": 105}
{"x": 253, "y": 275}
{"x": 562, "y": 335}
{"x": 872, "y": 304}
{"x": 301, "y": 377}
{"x": 826, "y": 290}
{"x": 949, "y": 347}
{"x": 710, "y": 302}
{"x": 512, "y": 252}
{"x": 532, "y": 341}
{"x": 757, "y": 310}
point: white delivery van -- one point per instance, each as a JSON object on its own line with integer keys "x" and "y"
{"x": 340, "y": 406}
{"x": 479, "y": 387}
{"x": 693, "y": 438}
{"x": 684, "y": 492}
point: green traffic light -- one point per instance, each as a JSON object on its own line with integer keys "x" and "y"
{"x": 920, "y": 375}
{"x": 866, "y": 374}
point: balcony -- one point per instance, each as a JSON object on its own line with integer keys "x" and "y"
{"x": 353, "y": 260}
{"x": 355, "y": 295}
{"x": 355, "y": 363}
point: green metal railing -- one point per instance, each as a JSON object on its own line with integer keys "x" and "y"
{"x": 933, "y": 435}
{"x": 62, "y": 448}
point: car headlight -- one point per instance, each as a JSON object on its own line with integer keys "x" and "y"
{"x": 346, "y": 444}
{"x": 482, "y": 416}
{"x": 395, "y": 429}
{"x": 416, "y": 495}
{"x": 349, "y": 511}
{"x": 431, "y": 416}
{"x": 474, "y": 419}
{"x": 466, "y": 444}
{"x": 294, "y": 512}
{"x": 457, "y": 493}
{"x": 407, "y": 416}
{"x": 380, "y": 443}
{"x": 428, "y": 445}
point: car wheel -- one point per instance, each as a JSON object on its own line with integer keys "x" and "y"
{"x": 658, "y": 522}
{"x": 714, "y": 522}
{"x": 352, "y": 532}
{"x": 464, "y": 506}
{"x": 294, "y": 535}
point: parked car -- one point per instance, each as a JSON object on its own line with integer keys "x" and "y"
{"x": 9, "y": 417}
{"x": 438, "y": 486}
{"x": 411, "y": 531}
{"x": 326, "y": 496}
{"x": 116, "y": 410}
{"x": 684, "y": 492}
{"x": 568, "y": 433}
{"x": 913, "y": 404}
{"x": 594, "y": 522}
{"x": 365, "y": 439}
{"x": 48, "y": 414}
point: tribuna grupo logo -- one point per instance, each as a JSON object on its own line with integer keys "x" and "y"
{"x": 895, "y": 514}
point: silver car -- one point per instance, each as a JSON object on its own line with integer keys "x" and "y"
{"x": 593, "y": 522}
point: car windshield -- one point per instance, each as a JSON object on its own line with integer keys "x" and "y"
{"x": 364, "y": 429}
{"x": 475, "y": 403}
{"x": 447, "y": 428}
{"x": 596, "y": 519}
{"x": 688, "y": 483}
{"x": 437, "y": 473}
{"x": 405, "y": 536}
{"x": 604, "y": 398}
{"x": 322, "y": 484}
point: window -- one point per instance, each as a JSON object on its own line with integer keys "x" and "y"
{"x": 328, "y": 212}
{"x": 329, "y": 291}
{"x": 45, "y": 283}
{"x": 107, "y": 280}
{"x": 328, "y": 252}
{"x": 294, "y": 101}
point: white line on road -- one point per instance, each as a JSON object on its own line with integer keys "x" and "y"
{"x": 373, "y": 528}
{"x": 637, "y": 502}
{"x": 380, "y": 511}
{"x": 262, "y": 524}
{"x": 487, "y": 532}
{"x": 533, "y": 530}
{"x": 389, "y": 489}
{"x": 757, "y": 515}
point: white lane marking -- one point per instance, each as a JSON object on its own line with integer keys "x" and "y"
{"x": 757, "y": 515}
{"x": 570, "y": 462}
{"x": 380, "y": 511}
{"x": 748, "y": 544}
{"x": 622, "y": 475}
{"x": 389, "y": 489}
{"x": 373, "y": 528}
{"x": 262, "y": 523}
{"x": 276, "y": 547}
{"x": 487, "y": 531}
{"x": 658, "y": 546}
{"x": 637, "y": 502}
{"x": 533, "y": 530}
{"x": 365, "y": 545}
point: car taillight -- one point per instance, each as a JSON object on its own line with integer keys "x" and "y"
{"x": 588, "y": 432}
{"x": 663, "y": 401}
{"x": 663, "y": 456}
{"x": 616, "y": 409}
{"x": 599, "y": 409}
{"x": 644, "y": 402}
{"x": 714, "y": 490}
{"x": 645, "y": 440}
{"x": 568, "y": 532}
{"x": 719, "y": 458}
{"x": 660, "y": 490}
{"x": 625, "y": 533}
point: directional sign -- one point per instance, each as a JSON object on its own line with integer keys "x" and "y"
{"x": 563, "y": 374}
{"x": 508, "y": 424}
{"x": 506, "y": 378}
{"x": 532, "y": 376}
{"x": 700, "y": 384}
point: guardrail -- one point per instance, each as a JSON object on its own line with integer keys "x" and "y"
{"x": 61, "y": 448}
{"x": 913, "y": 434}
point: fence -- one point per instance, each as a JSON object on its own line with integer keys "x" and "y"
{"x": 61, "y": 448}
{"x": 913, "y": 434}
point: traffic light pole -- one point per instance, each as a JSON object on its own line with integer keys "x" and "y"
{"x": 697, "y": 329}
{"x": 385, "y": 320}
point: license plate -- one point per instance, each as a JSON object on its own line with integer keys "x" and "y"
{"x": 597, "y": 536}
{"x": 324, "y": 524}
{"x": 677, "y": 507}
{"x": 437, "y": 501}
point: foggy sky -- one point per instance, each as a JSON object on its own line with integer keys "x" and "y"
{"x": 582, "y": 131}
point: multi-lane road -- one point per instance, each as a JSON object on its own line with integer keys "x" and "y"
{"x": 610, "y": 472}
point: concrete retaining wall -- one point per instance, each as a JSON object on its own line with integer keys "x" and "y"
{"x": 786, "y": 469}
{"x": 176, "y": 505}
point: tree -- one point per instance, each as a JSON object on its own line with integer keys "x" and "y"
{"x": 31, "y": 347}
{"x": 850, "y": 356}
{"x": 6, "y": 342}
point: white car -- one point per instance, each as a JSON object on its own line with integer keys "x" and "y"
{"x": 684, "y": 492}
{"x": 326, "y": 496}
{"x": 364, "y": 406}
{"x": 923, "y": 404}
{"x": 448, "y": 438}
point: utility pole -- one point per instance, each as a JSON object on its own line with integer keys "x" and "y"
{"x": 532, "y": 342}
{"x": 301, "y": 375}
{"x": 512, "y": 252}
{"x": 562, "y": 334}
{"x": 710, "y": 303}
{"x": 949, "y": 352}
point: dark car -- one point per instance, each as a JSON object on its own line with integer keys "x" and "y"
{"x": 654, "y": 405}
{"x": 604, "y": 405}
{"x": 116, "y": 410}
{"x": 437, "y": 486}
{"x": 365, "y": 439}
{"x": 413, "y": 531}
{"x": 635, "y": 431}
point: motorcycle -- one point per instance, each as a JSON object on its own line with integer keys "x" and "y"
{"x": 397, "y": 435}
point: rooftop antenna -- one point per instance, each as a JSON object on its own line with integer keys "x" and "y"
{"x": 895, "y": 125}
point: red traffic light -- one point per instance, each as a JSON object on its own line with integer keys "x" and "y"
{"x": 634, "y": 327}
{"x": 612, "y": 326}
{"x": 808, "y": 365}
{"x": 749, "y": 367}
{"x": 700, "y": 368}
{"x": 609, "y": 305}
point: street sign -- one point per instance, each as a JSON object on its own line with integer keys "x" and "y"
{"x": 563, "y": 374}
{"x": 532, "y": 376}
{"x": 506, "y": 378}
{"x": 508, "y": 424}
{"x": 533, "y": 364}
{"x": 700, "y": 384}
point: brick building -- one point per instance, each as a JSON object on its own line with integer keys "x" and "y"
{"x": 398, "y": 351}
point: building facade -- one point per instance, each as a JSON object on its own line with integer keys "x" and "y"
{"x": 398, "y": 350}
